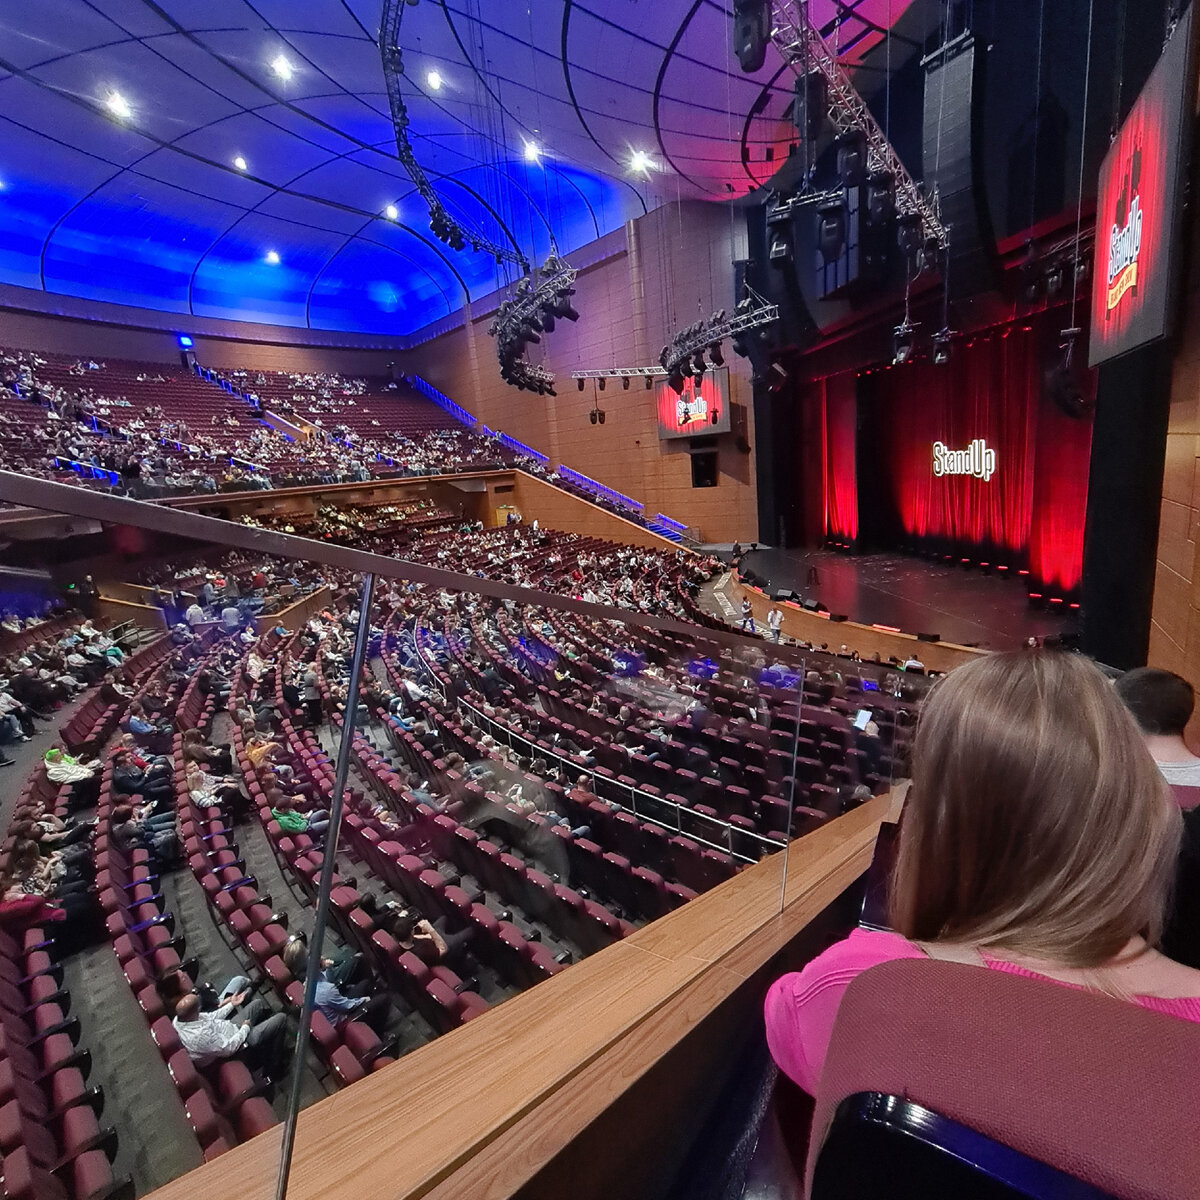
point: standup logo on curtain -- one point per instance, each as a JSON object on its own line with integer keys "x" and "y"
{"x": 1125, "y": 234}
{"x": 977, "y": 460}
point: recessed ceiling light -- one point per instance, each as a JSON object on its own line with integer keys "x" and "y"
{"x": 273, "y": 257}
{"x": 282, "y": 68}
{"x": 391, "y": 212}
{"x": 118, "y": 106}
{"x": 640, "y": 162}
{"x": 239, "y": 162}
{"x": 532, "y": 152}
{"x": 434, "y": 80}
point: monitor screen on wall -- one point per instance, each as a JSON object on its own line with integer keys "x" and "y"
{"x": 701, "y": 409}
{"x": 1139, "y": 208}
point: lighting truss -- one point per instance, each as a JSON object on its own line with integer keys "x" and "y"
{"x": 530, "y": 299}
{"x": 532, "y": 311}
{"x": 803, "y": 49}
{"x": 752, "y": 313}
{"x": 621, "y": 373}
{"x": 444, "y": 225}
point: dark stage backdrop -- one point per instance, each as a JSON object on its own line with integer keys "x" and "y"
{"x": 972, "y": 458}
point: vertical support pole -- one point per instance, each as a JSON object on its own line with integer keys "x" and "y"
{"x": 328, "y": 864}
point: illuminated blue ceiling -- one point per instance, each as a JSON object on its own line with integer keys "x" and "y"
{"x": 148, "y": 208}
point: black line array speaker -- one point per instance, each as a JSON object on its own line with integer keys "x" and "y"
{"x": 953, "y": 95}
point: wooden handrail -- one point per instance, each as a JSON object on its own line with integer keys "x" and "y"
{"x": 533, "y": 1072}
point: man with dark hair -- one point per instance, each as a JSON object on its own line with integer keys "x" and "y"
{"x": 1161, "y": 702}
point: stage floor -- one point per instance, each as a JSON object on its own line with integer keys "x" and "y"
{"x": 917, "y": 596}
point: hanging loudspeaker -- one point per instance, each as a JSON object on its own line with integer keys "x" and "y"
{"x": 852, "y": 157}
{"x": 811, "y": 108}
{"x": 831, "y": 230}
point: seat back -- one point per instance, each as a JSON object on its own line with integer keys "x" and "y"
{"x": 1103, "y": 1090}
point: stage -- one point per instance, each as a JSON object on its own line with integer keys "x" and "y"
{"x": 914, "y": 595}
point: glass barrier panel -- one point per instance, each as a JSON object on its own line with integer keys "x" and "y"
{"x": 358, "y": 772}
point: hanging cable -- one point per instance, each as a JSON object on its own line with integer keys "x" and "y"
{"x": 1087, "y": 76}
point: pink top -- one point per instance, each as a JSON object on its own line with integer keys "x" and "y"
{"x": 801, "y": 1007}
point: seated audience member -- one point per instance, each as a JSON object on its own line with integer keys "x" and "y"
{"x": 196, "y": 749}
{"x": 283, "y": 812}
{"x": 143, "y": 828}
{"x": 128, "y": 779}
{"x": 209, "y": 1037}
{"x": 174, "y": 985}
{"x": 1037, "y": 838}
{"x": 431, "y": 941}
{"x": 84, "y": 777}
{"x": 337, "y": 998}
{"x": 210, "y": 791}
{"x": 1162, "y": 703}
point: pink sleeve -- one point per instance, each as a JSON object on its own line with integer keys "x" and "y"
{"x": 801, "y": 1007}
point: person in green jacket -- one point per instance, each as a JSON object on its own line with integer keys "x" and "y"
{"x": 285, "y": 814}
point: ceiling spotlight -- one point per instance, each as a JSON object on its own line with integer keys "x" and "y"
{"x": 902, "y": 343}
{"x": 533, "y": 152}
{"x": 943, "y": 350}
{"x": 391, "y": 212}
{"x": 434, "y": 80}
{"x": 118, "y": 106}
{"x": 272, "y": 257}
{"x": 240, "y": 163}
{"x": 640, "y": 162}
{"x": 602, "y": 382}
{"x": 580, "y": 383}
{"x": 282, "y": 68}
{"x": 625, "y": 382}
{"x": 649, "y": 383}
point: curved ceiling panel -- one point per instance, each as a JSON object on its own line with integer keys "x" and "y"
{"x": 166, "y": 153}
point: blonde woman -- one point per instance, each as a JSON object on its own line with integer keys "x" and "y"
{"x": 1038, "y": 838}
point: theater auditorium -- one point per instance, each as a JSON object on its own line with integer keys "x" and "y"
{"x": 597, "y": 600}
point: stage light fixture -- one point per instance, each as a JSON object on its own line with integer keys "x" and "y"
{"x": 185, "y": 342}
{"x": 625, "y": 381}
{"x": 434, "y": 80}
{"x": 700, "y": 366}
{"x": 640, "y": 163}
{"x": 600, "y": 414}
{"x": 777, "y": 376}
{"x": 1054, "y": 280}
{"x": 118, "y": 106}
{"x": 943, "y": 348}
{"x": 272, "y": 257}
{"x": 600, "y": 383}
{"x": 715, "y": 356}
{"x": 902, "y": 342}
{"x": 852, "y": 157}
{"x": 391, "y": 212}
{"x": 282, "y": 68}
{"x": 240, "y": 162}
{"x": 831, "y": 230}
{"x": 532, "y": 152}
{"x": 649, "y": 383}
{"x": 580, "y": 383}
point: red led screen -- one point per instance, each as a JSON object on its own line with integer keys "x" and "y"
{"x": 1138, "y": 209}
{"x": 701, "y": 409}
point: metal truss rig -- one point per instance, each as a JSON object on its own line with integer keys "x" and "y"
{"x": 803, "y": 49}
{"x": 444, "y": 225}
{"x": 526, "y": 306}
{"x": 621, "y": 373}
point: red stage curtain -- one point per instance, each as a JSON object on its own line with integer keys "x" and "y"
{"x": 838, "y": 436}
{"x": 1032, "y": 508}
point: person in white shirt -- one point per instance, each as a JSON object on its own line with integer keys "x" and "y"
{"x": 194, "y": 615}
{"x": 1161, "y": 703}
{"x": 209, "y": 1037}
{"x": 774, "y": 623}
{"x": 913, "y": 663}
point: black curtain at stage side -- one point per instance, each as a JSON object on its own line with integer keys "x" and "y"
{"x": 1124, "y": 502}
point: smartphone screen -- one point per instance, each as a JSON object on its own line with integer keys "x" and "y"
{"x": 861, "y": 718}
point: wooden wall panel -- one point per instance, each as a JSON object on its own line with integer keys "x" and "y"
{"x": 659, "y": 273}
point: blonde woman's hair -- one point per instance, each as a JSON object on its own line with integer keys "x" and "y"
{"x": 1037, "y": 820}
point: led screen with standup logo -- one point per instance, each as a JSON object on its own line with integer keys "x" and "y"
{"x": 1138, "y": 209}
{"x": 701, "y": 409}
